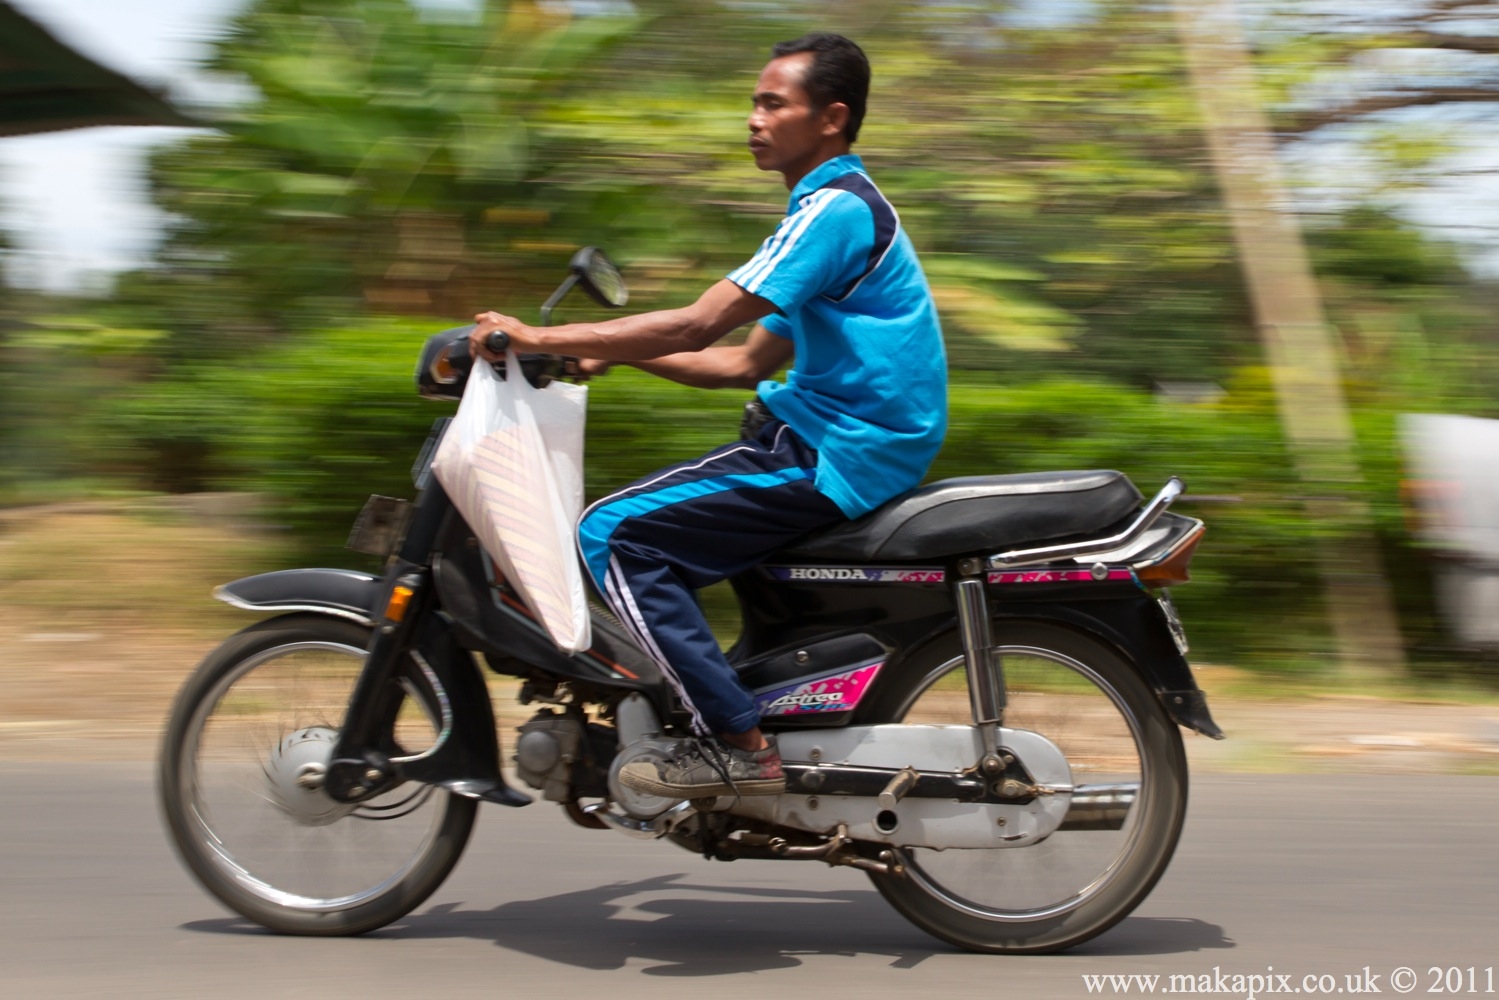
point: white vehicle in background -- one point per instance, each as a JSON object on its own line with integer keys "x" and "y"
{"x": 1452, "y": 465}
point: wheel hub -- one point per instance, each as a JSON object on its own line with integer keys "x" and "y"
{"x": 295, "y": 772}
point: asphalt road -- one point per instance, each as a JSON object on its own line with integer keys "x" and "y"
{"x": 1313, "y": 876}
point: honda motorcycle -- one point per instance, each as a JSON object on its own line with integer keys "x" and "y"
{"x": 976, "y": 690}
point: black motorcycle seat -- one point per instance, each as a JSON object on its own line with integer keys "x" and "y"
{"x": 976, "y": 514}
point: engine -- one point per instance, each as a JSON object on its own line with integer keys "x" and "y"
{"x": 563, "y": 756}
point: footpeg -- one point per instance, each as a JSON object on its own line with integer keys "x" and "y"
{"x": 487, "y": 791}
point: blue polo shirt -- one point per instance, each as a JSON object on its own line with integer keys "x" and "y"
{"x": 868, "y": 388}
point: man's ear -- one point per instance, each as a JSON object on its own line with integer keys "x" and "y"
{"x": 834, "y": 118}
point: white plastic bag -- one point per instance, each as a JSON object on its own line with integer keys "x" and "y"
{"x": 512, "y": 462}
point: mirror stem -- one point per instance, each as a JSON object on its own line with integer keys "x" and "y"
{"x": 556, "y": 297}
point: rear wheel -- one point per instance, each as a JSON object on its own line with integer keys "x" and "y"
{"x": 1084, "y": 697}
{"x": 240, "y": 782}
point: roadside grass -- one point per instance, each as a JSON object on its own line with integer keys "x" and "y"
{"x": 109, "y": 606}
{"x": 1223, "y": 681}
{"x": 76, "y": 567}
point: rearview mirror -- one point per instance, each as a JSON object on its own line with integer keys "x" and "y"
{"x": 599, "y": 277}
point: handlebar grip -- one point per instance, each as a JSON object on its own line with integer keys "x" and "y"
{"x": 497, "y": 342}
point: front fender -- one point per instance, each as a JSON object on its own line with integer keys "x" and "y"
{"x": 465, "y": 759}
{"x": 344, "y": 593}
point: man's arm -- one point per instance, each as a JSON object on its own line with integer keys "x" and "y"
{"x": 743, "y": 366}
{"x": 721, "y": 309}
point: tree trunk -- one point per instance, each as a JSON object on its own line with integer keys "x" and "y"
{"x": 1298, "y": 344}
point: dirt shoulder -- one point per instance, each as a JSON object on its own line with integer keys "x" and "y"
{"x": 1350, "y": 735}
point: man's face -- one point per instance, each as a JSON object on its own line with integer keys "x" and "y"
{"x": 787, "y": 133}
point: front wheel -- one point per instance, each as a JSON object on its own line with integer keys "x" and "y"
{"x": 1084, "y": 697}
{"x": 248, "y": 740}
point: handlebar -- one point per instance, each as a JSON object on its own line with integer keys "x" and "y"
{"x": 446, "y": 360}
{"x": 554, "y": 364}
{"x": 538, "y": 368}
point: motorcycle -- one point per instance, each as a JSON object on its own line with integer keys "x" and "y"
{"x": 977, "y": 691}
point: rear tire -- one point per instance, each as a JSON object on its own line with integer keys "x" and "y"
{"x": 257, "y": 714}
{"x": 998, "y": 900}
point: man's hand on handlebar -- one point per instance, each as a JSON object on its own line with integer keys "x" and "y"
{"x": 522, "y": 338}
{"x": 494, "y": 332}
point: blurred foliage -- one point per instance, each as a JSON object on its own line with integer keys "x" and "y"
{"x": 398, "y": 168}
{"x": 319, "y": 446}
{"x": 404, "y": 162}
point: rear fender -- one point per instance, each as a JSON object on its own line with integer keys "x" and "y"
{"x": 343, "y": 593}
{"x": 1137, "y": 627}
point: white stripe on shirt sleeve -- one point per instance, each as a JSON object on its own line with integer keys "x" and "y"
{"x": 799, "y": 223}
{"x": 753, "y": 274}
{"x": 767, "y": 249}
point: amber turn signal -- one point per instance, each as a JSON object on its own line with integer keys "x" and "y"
{"x": 400, "y": 600}
{"x": 442, "y": 370}
{"x": 1172, "y": 569}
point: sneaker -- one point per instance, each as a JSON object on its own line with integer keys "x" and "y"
{"x": 706, "y": 768}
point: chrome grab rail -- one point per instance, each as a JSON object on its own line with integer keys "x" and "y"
{"x": 1018, "y": 557}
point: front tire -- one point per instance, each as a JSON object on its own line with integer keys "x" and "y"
{"x": 1086, "y": 698}
{"x": 239, "y": 788}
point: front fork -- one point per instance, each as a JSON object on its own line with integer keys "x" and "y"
{"x": 465, "y": 757}
{"x": 981, "y": 659}
{"x": 361, "y": 766}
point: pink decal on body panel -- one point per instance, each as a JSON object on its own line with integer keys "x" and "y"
{"x": 921, "y": 576}
{"x": 1057, "y": 576}
{"x": 838, "y": 693}
{"x": 870, "y": 574}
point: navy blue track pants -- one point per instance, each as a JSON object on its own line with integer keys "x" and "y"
{"x": 652, "y": 544}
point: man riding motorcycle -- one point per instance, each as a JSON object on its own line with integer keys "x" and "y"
{"x": 857, "y": 421}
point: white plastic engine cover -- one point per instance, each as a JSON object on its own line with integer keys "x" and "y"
{"x": 935, "y": 823}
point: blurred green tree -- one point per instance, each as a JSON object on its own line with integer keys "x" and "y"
{"x": 392, "y": 161}
{"x": 387, "y": 161}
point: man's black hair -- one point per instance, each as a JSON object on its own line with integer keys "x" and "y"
{"x": 839, "y": 74}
